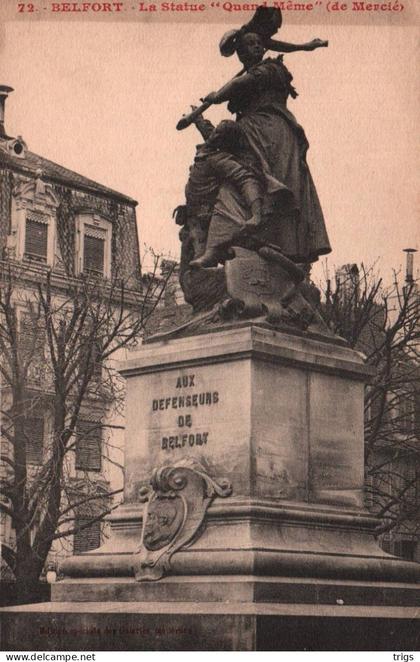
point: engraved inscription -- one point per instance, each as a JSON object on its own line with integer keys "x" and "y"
{"x": 185, "y": 381}
{"x": 180, "y": 441}
{"x": 190, "y": 400}
{"x": 180, "y": 401}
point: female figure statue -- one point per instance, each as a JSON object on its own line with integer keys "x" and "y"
{"x": 291, "y": 216}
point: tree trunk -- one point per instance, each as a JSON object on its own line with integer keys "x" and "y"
{"x": 28, "y": 586}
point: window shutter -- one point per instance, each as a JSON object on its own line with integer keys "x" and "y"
{"x": 34, "y": 430}
{"x": 93, "y": 255}
{"x": 88, "y": 446}
{"x": 406, "y": 413}
{"x": 377, "y": 411}
{"x": 97, "y": 361}
{"x": 413, "y": 482}
{"x": 88, "y": 538}
{"x": 386, "y": 545}
{"x": 368, "y": 491}
{"x": 36, "y": 240}
{"x": 405, "y": 548}
{"x": 32, "y": 336}
{"x": 417, "y": 412}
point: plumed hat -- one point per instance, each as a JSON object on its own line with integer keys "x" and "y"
{"x": 265, "y": 22}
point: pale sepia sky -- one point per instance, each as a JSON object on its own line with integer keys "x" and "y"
{"x": 103, "y": 98}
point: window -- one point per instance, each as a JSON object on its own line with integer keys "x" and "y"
{"x": 93, "y": 254}
{"x": 402, "y": 546}
{"x": 91, "y": 354}
{"x": 86, "y": 510}
{"x": 386, "y": 544}
{"x": 417, "y": 413}
{"x": 32, "y": 348}
{"x": 378, "y": 411}
{"x": 94, "y": 251}
{"x": 97, "y": 362}
{"x": 88, "y": 446}
{"x": 87, "y": 538}
{"x": 405, "y": 548}
{"x": 33, "y": 220}
{"x": 36, "y": 239}
{"x": 34, "y": 432}
{"x": 94, "y": 246}
{"x": 32, "y": 337}
{"x": 368, "y": 491}
{"x": 413, "y": 482}
{"x": 407, "y": 413}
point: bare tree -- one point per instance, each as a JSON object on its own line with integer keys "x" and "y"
{"x": 384, "y": 323}
{"x": 58, "y": 344}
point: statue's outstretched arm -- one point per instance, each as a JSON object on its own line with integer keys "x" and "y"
{"x": 243, "y": 81}
{"x": 232, "y": 87}
{"x": 286, "y": 47}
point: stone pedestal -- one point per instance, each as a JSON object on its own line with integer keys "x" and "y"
{"x": 255, "y": 530}
{"x": 198, "y": 626}
{"x": 280, "y": 417}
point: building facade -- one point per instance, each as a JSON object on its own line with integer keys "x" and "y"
{"x": 54, "y": 222}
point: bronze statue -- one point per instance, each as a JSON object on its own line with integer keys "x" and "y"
{"x": 284, "y": 216}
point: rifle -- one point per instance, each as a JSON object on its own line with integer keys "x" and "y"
{"x": 186, "y": 120}
{"x": 190, "y": 118}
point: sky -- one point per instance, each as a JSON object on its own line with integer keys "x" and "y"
{"x": 102, "y": 97}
